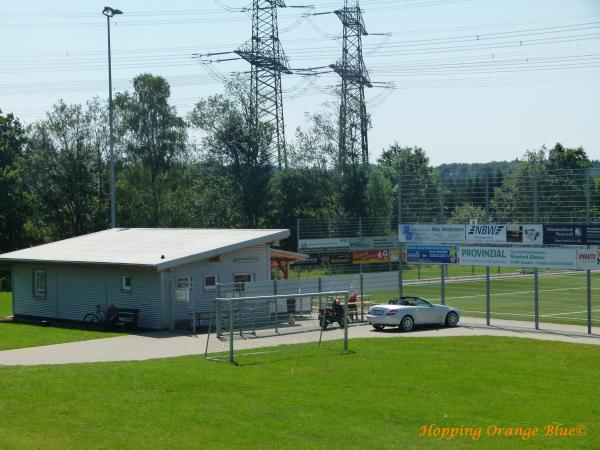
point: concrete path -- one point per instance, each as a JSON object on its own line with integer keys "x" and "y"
{"x": 167, "y": 345}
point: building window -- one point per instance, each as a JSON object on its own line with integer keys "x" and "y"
{"x": 183, "y": 286}
{"x": 242, "y": 277}
{"x": 184, "y": 283}
{"x": 126, "y": 283}
{"x": 210, "y": 282}
{"x": 39, "y": 283}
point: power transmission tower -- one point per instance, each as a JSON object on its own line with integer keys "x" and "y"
{"x": 268, "y": 60}
{"x": 353, "y": 141}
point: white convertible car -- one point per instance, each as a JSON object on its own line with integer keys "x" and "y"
{"x": 407, "y": 312}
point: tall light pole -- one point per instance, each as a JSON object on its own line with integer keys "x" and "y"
{"x": 111, "y": 12}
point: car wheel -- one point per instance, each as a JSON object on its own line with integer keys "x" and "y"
{"x": 378, "y": 327}
{"x": 407, "y": 323}
{"x": 451, "y": 319}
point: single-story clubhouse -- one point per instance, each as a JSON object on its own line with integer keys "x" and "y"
{"x": 165, "y": 273}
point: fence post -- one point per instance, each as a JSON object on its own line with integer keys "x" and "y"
{"x": 487, "y": 295}
{"x": 536, "y": 292}
{"x": 346, "y": 322}
{"x": 588, "y": 273}
{"x": 362, "y": 300}
{"x": 400, "y": 246}
{"x": 360, "y": 233}
{"x": 443, "y": 283}
{"x": 231, "y": 359}
{"x": 487, "y": 268}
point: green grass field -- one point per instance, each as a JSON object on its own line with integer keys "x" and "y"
{"x": 381, "y": 396}
{"x": 17, "y": 335}
{"x": 562, "y": 297}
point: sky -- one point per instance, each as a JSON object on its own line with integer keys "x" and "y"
{"x": 474, "y": 80}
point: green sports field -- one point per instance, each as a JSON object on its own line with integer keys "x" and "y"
{"x": 562, "y": 297}
{"x": 303, "y": 396}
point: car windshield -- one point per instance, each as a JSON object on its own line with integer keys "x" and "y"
{"x": 416, "y": 301}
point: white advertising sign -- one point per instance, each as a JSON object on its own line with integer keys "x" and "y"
{"x": 431, "y": 234}
{"x": 485, "y": 234}
{"x": 543, "y": 258}
{"x": 324, "y": 244}
{"x": 588, "y": 259}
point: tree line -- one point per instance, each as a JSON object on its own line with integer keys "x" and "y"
{"x": 212, "y": 169}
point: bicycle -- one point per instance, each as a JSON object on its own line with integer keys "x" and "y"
{"x": 102, "y": 318}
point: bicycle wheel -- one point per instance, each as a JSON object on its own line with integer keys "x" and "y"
{"x": 91, "y": 321}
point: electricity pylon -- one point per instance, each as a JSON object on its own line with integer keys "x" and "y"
{"x": 354, "y": 121}
{"x": 268, "y": 60}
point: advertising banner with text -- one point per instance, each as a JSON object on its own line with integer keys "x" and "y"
{"x": 431, "y": 234}
{"x": 373, "y": 243}
{"x": 543, "y": 258}
{"x": 323, "y": 245}
{"x": 588, "y": 259}
{"x": 438, "y": 254}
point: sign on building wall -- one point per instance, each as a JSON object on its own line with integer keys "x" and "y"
{"x": 543, "y": 258}
{"x": 438, "y": 254}
{"x": 431, "y": 234}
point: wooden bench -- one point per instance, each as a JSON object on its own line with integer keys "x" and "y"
{"x": 127, "y": 317}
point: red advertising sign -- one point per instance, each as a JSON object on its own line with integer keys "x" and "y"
{"x": 370, "y": 256}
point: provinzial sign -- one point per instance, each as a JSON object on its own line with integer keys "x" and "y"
{"x": 431, "y": 234}
{"x": 438, "y": 254}
{"x": 373, "y": 243}
{"x": 327, "y": 244}
{"x": 543, "y": 258}
{"x": 564, "y": 235}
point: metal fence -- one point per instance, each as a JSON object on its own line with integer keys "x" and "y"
{"x": 530, "y": 194}
{"x": 241, "y": 325}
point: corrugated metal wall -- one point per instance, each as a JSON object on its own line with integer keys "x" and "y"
{"x": 75, "y": 291}
{"x": 254, "y": 260}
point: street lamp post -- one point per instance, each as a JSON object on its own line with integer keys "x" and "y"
{"x": 109, "y": 13}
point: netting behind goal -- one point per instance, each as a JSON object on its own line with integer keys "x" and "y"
{"x": 246, "y": 326}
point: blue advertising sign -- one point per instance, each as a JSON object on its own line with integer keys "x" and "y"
{"x": 437, "y": 254}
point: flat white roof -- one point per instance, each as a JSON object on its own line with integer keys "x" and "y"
{"x": 160, "y": 248}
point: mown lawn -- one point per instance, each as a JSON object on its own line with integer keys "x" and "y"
{"x": 306, "y": 397}
{"x": 5, "y": 304}
{"x": 17, "y": 335}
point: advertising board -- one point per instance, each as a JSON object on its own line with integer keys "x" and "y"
{"x": 524, "y": 234}
{"x": 438, "y": 254}
{"x": 592, "y": 234}
{"x": 588, "y": 259}
{"x": 373, "y": 243}
{"x": 485, "y": 234}
{"x": 564, "y": 235}
{"x": 543, "y": 258}
{"x": 370, "y": 256}
{"x": 431, "y": 234}
{"x": 323, "y": 245}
